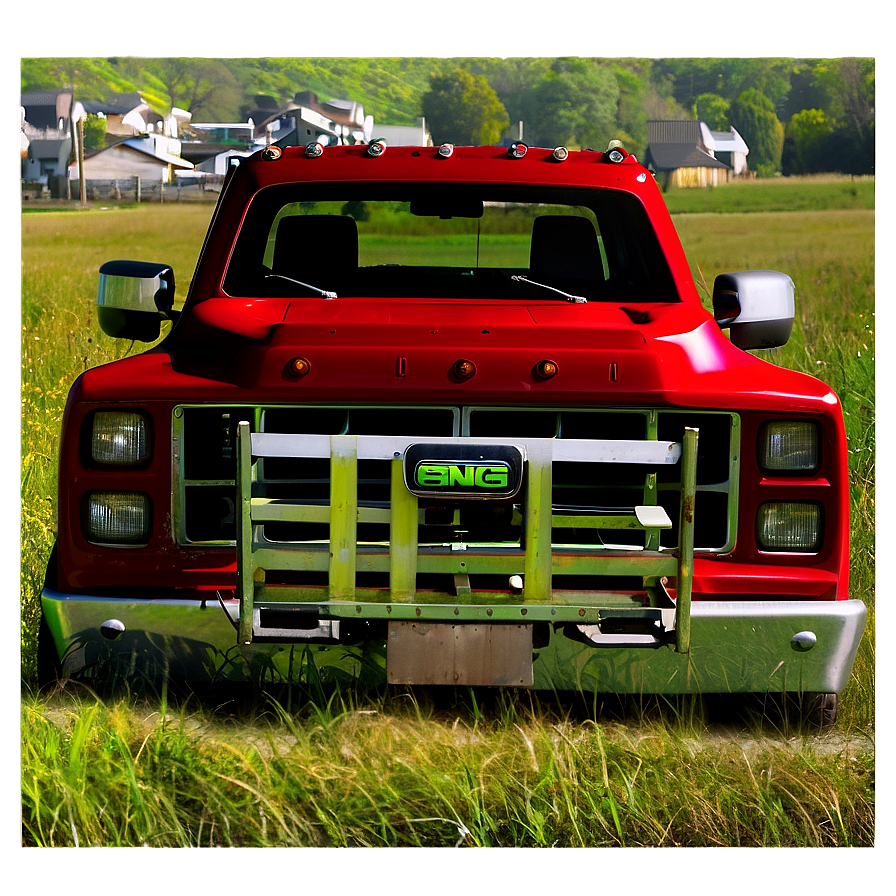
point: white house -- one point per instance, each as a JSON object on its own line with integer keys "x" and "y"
{"x": 728, "y": 147}
{"x": 153, "y": 157}
{"x": 404, "y": 135}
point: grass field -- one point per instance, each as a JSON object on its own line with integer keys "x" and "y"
{"x": 407, "y": 769}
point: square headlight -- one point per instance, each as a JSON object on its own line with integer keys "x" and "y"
{"x": 117, "y": 518}
{"x": 120, "y": 438}
{"x": 789, "y": 446}
{"x": 789, "y": 526}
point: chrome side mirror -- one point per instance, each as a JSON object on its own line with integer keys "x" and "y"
{"x": 134, "y": 298}
{"x": 757, "y": 306}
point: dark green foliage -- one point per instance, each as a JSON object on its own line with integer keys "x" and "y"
{"x": 355, "y": 208}
{"x": 462, "y": 108}
{"x": 714, "y": 110}
{"x": 753, "y": 115}
{"x": 574, "y": 103}
{"x": 94, "y": 133}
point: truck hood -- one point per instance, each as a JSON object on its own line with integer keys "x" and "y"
{"x": 404, "y": 351}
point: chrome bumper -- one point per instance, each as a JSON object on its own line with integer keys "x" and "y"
{"x": 735, "y": 647}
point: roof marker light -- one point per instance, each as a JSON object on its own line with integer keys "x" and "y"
{"x": 313, "y": 150}
{"x": 561, "y": 153}
{"x": 615, "y": 151}
{"x": 271, "y": 152}
{"x": 517, "y": 150}
{"x": 446, "y": 150}
{"x": 376, "y": 148}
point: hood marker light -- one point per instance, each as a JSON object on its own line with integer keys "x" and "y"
{"x": 517, "y": 150}
{"x": 376, "y": 148}
{"x": 446, "y": 150}
{"x": 546, "y": 369}
{"x": 464, "y": 369}
{"x": 299, "y": 367}
{"x": 314, "y": 150}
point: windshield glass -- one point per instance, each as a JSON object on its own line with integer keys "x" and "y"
{"x": 448, "y": 241}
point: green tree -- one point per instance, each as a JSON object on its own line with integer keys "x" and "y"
{"x": 205, "y": 87}
{"x": 810, "y": 134}
{"x": 575, "y": 103}
{"x": 714, "y": 110}
{"x": 462, "y": 108}
{"x": 633, "y": 78}
{"x": 753, "y": 114}
{"x": 94, "y": 133}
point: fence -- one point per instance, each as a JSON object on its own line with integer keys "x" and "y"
{"x": 140, "y": 189}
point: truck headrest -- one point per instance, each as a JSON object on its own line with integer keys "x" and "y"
{"x": 315, "y": 243}
{"x": 565, "y": 246}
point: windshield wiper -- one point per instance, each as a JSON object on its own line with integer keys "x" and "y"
{"x": 324, "y": 293}
{"x": 579, "y": 300}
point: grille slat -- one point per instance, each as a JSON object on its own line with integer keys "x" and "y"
{"x": 205, "y": 489}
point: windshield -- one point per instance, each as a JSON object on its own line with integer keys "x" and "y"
{"x": 448, "y": 241}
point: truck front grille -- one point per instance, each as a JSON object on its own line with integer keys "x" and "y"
{"x": 205, "y": 468}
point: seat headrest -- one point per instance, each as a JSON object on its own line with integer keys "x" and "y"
{"x": 565, "y": 246}
{"x": 315, "y": 242}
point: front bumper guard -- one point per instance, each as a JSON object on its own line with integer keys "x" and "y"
{"x": 778, "y": 646}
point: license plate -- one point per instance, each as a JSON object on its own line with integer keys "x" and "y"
{"x": 459, "y": 654}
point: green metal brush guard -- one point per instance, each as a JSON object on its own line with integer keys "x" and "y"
{"x": 535, "y": 559}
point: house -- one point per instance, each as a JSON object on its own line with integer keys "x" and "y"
{"x": 208, "y": 145}
{"x": 728, "y": 147}
{"x": 306, "y": 119}
{"x": 152, "y": 157}
{"x": 404, "y": 135}
{"x": 126, "y": 114}
{"x": 46, "y": 134}
{"x": 681, "y": 153}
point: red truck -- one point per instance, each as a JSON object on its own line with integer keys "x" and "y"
{"x": 452, "y": 415}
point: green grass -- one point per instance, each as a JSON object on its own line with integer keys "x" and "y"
{"x": 388, "y": 769}
{"x": 783, "y": 194}
{"x": 401, "y": 772}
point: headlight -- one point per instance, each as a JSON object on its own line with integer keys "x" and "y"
{"x": 120, "y": 438}
{"x": 789, "y": 526}
{"x": 788, "y": 445}
{"x": 117, "y": 518}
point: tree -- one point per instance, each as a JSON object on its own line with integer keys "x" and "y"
{"x": 575, "y": 103}
{"x": 205, "y": 86}
{"x": 810, "y": 134}
{"x": 94, "y": 133}
{"x": 462, "y": 108}
{"x": 713, "y": 109}
{"x": 753, "y": 114}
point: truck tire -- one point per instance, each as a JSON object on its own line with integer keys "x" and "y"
{"x": 49, "y": 669}
{"x": 818, "y": 711}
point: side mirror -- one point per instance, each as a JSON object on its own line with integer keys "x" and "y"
{"x": 756, "y": 305}
{"x": 134, "y": 298}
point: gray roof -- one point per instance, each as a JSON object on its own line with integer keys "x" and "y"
{"x": 41, "y": 97}
{"x": 49, "y": 149}
{"x": 669, "y": 156}
{"x": 674, "y": 132}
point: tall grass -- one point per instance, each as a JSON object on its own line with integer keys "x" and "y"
{"x": 398, "y": 772}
